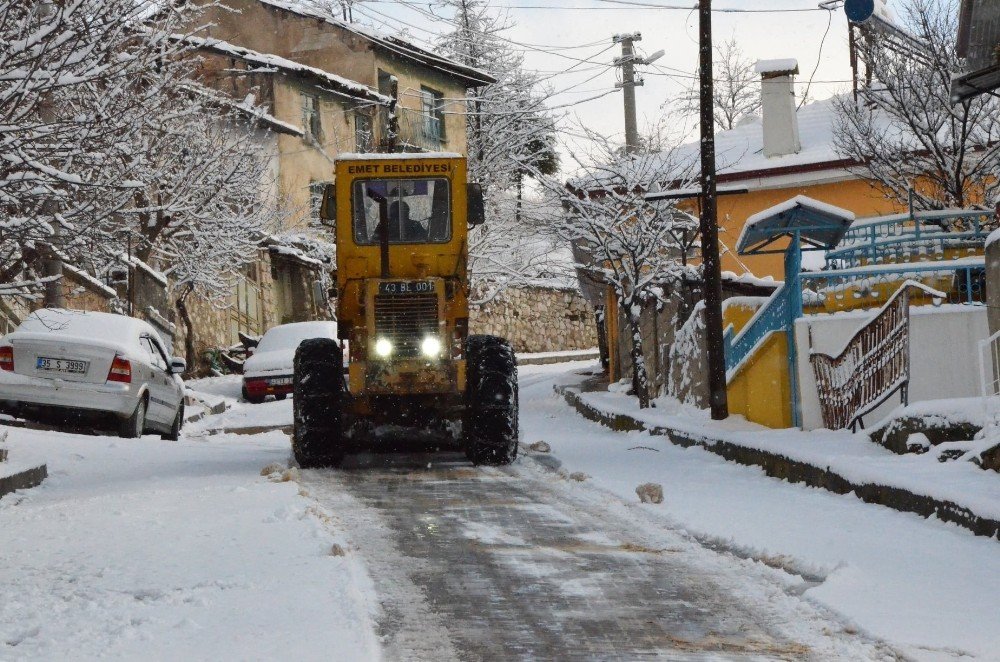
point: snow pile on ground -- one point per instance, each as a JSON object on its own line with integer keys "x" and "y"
{"x": 927, "y": 587}
{"x": 181, "y": 550}
{"x": 852, "y": 456}
{"x": 241, "y": 416}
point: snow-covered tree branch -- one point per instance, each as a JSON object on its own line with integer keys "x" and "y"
{"x": 903, "y": 130}
{"x": 636, "y": 247}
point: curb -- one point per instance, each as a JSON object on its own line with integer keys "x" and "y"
{"x": 548, "y": 360}
{"x": 794, "y": 471}
{"x": 22, "y": 480}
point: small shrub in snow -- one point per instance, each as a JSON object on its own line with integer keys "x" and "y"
{"x": 540, "y": 447}
{"x": 578, "y": 476}
{"x": 273, "y": 468}
{"x": 650, "y": 493}
{"x": 337, "y": 550}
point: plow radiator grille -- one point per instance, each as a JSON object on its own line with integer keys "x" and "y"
{"x": 405, "y": 320}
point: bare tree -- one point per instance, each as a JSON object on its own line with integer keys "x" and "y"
{"x": 511, "y": 137}
{"x": 736, "y": 89}
{"x": 75, "y": 78}
{"x": 636, "y": 247}
{"x": 903, "y": 131}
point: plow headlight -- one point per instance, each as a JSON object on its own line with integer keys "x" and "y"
{"x": 383, "y": 347}
{"x": 431, "y": 347}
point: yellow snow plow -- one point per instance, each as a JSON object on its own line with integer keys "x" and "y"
{"x": 402, "y": 225}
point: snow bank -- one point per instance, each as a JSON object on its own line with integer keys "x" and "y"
{"x": 181, "y": 549}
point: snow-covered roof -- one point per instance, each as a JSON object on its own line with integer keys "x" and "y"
{"x": 783, "y": 65}
{"x": 473, "y": 77}
{"x": 276, "y": 63}
{"x": 740, "y": 150}
{"x": 248, "y": 108}
{"x": 819, "y": 223}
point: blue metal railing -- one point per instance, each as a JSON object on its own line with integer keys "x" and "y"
{"x": 968, "y": 276}
{"x": 785, "y": 305}
{"x": 772, "y": 316}
{"x": 923, "y": 236}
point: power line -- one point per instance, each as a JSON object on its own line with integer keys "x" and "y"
{"x": 620, "y": 5}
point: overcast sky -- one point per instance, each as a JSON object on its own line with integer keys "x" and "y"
{"x": 553, "y": 29}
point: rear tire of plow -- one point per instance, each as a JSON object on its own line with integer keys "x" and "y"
{"x": 317, "y": 402}
{"x": 489, "y": 426}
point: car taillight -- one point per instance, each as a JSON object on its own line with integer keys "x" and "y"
{"x": 7, "y": 358}
{"x": 121, "y": 371}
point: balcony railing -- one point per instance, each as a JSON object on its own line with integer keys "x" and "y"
{"x": 924, "y": 237}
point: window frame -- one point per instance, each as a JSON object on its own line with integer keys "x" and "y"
{"x": 312, "y": 121}
{"x": 375, "y": 242}
{"x": 432, "y": 107}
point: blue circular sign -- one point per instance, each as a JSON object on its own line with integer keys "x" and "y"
{"x": 859, "y": 11}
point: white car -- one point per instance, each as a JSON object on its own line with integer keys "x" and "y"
{"x": 67, "y": 364}
{"x": 269, "y": 371}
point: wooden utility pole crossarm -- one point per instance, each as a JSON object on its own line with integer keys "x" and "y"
{"x": 709, "y": 226}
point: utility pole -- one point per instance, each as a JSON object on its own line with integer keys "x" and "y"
{"x": 709, "y": 223}
{"x": 628, "y": 85}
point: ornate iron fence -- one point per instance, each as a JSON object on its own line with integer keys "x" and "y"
{"x": 874, "y": 364}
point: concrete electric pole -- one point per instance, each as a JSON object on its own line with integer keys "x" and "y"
{"x": 627, "y": 62}
{"x": 628, "y": 85}
{"x": 709, "y": 223}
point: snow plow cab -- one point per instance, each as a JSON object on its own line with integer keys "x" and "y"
{"x": 401, "y": 223}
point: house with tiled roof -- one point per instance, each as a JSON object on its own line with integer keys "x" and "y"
{"x": 317, "y": 87}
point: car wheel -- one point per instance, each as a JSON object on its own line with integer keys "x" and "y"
{"x": 252, "y": 399}
{"x": 175, "y": 429}
{"x": 280, "y": 396}
{"x": 133, "y": 426}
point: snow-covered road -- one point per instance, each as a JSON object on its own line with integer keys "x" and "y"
{"x": 182, "y": 550}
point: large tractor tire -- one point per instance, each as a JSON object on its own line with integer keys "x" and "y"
{"x": 489, "y": 426}
{"x": 317, "y": 402}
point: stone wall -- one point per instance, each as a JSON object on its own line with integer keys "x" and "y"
{"x": 537, "y": 319}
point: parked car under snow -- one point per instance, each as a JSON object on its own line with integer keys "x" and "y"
{"x": 65, "y": 365}
{"x": 269, "y": 371}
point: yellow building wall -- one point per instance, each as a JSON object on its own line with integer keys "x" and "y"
{"x": 761, "y": 389}
{"x": 856, "y": 195}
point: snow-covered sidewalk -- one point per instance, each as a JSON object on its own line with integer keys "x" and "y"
{"x": 928, "y": 587}
{"x": 140, "y": 549}
{"x": 971, "y": 492}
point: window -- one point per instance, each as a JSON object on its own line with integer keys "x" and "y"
{"x": 311, "y": 119}
{"x": 417, "y": 210}
{"x": 363, "y": 135}
{"x": 432, "y": 114}
{"x": 156, "y": 357}
{"x": 316, "y": 191}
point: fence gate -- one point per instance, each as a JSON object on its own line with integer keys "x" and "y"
{"x": 874, "y": 364}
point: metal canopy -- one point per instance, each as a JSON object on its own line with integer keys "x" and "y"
{"x": 816, "y": 225}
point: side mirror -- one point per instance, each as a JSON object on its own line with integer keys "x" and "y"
{"x": 328, "y": 207}
{"x": 177, "y": 365}
{"x": 476, "y": 206}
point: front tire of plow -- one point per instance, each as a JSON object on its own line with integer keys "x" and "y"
{"x": 317, "y": 403}
{"x": 489, "y": 426}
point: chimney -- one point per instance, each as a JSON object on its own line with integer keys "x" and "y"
{"x": 777, "y": 95}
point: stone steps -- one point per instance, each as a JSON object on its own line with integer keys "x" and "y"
{"x": 18, "y": 477}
